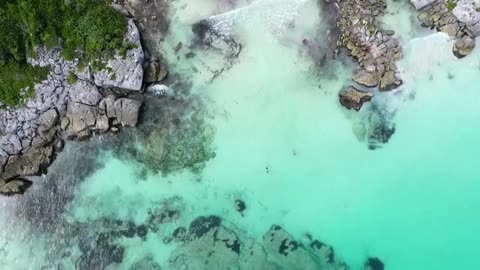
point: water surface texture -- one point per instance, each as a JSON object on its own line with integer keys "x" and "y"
{"x": 258, "y": 119}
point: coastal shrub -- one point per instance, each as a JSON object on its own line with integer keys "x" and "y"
{"x": 18, "y": 76}
{"x": 87, "y": 30}
{"x": 71, "y": 78}
{"x": 451, "y": 5}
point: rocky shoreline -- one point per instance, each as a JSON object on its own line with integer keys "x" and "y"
{"x": 73, "y": 103}
{"x": 460, "y": 19}
{"x": 377, "y": 50}
{"x": 105, "y": 100}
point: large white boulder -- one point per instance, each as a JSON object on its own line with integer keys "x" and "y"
{"x": 466, "y": 12}
{"x": 419, "y": 4}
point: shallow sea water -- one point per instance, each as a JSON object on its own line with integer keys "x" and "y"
{"x": 287, "y": 148}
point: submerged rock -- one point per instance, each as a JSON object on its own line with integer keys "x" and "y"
{"x": 240, "y": 206}
{"x": 380, "y": 129}
{"x": 147, "y": 263}
{"x": 179, "y": 234}
{"x": 374, "y": 264}
{"x": 225, "y": 247}
{"x": 463, "y": 46}
{"x": 352, "y": 98}
{"x": 142, "y": 231}
{"x": 202, "y": 225}
{"x": 177, "y": 137}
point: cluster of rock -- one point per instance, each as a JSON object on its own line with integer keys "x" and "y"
{"x": 460, "y": 19}
{"x": 88, "y": 111}
{"x": 60, "y": 108}
{"x": 100, "y": 249}
{"x": 375, "y": 49}
{"x": 209, "y": 244}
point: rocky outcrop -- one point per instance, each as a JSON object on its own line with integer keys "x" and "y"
{"x": 375, "y": 49}
{"x": 59, "y": 109}
{"x": 458, "y": 19}
{"x": 124, "y": 71}
{"x": 99, "y": 114}
{"x": 352, "y": 98}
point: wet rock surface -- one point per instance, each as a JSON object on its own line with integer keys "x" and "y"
{"x": 463, "y": 46}
{"x": 352, "y": 98}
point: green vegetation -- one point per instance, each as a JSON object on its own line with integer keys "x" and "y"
{"x": 477, "y": 9}
{"x": 18, "y": 76}
{"x": 451, "y": 5}
{"x": 71, "y": 78}
{"x": 87, "y": 29}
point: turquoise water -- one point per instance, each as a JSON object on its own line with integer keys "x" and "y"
{"x": 286, "y": 147}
